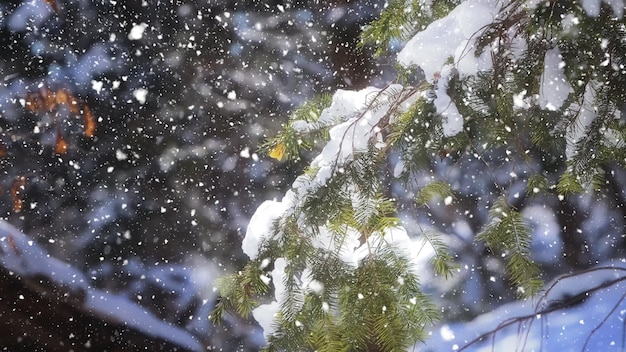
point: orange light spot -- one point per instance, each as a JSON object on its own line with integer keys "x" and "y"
{"x": 61, "y": 145}
{"x": 3, "y": 149}
{"x": 64, "y": 96}
{"x": 16, "y": 193}
{"x": 90, "y": 122}
{"x": 53, "y": 4}
{"x": 49, "y": 99}
{"x": 35, "y": 103}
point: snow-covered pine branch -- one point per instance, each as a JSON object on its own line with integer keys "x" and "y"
{"x": 528, "y": 89}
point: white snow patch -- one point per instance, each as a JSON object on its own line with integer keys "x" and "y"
{"x": 120, "y": 155}
{"x": 602, "y": 312}
{"x": 353, "y": 135}
{"x": 451, "y": 36}
{"x": 260, "y": 225}
{"x": 570, "y": 24}
{"x": 446, "y": 333}
{"x": 452, "y": 120}
{"x": 265, "y": 315}
{"x": 345, "y": 103}
{"x": 399, "y": 168}
{"x": 96, "y": 85}
{"x": 245, "y": 153}
{"x": 585, "y": 114}
{"x": 302, "y": 126}
{"x": 136, "y": 33}
{"x": 592, "y": 7}
{"x": 521, "y": 101}
{"x": 554, "y": 86}
{"x": 278, "y": 276}
{"x": 140, "y": 94}
{"x": 348, "y": 247}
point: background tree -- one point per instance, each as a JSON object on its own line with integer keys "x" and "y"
{"x": 499, "y": 149}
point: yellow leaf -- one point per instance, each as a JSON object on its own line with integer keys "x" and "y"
{"x": 278, "y": 152}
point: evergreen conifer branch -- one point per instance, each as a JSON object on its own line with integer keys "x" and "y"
{"x": 435, "y": 190}
{"x": 238, "y": 292}
{"x": 417, "y": 134}
{"x": 302, "y": 132}
{"x": 568, "y": 183}
{"x": 347, "y": 286}
{"x": 537, "y": 184}
{"x": 400, "y": 20}
{"x": 443, "y": 263}
{"x": 507, "y": 232}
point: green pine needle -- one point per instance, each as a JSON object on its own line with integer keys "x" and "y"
{"x": 437, "y": 190}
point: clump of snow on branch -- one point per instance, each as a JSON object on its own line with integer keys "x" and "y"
{"x": 585, "y": 114}
{"x": 266, "y": 313}
{"x": 363, "y": 109}
{"x": 592, "y": 7}
{"x": 451, "y": 37}
{"x": 554, "y": 85}
{"x": 452, "y": 120}
{"x": 260, "y": 225}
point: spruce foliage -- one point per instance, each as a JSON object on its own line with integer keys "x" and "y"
{"x": 346, "y": 282}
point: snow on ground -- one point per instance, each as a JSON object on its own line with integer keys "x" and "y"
{"x": 22, "y": 256}
{"x": 577, "y": 312}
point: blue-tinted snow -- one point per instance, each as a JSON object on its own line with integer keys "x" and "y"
{"x": 577, "y": 312}
{"x": 22, "y": 256}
